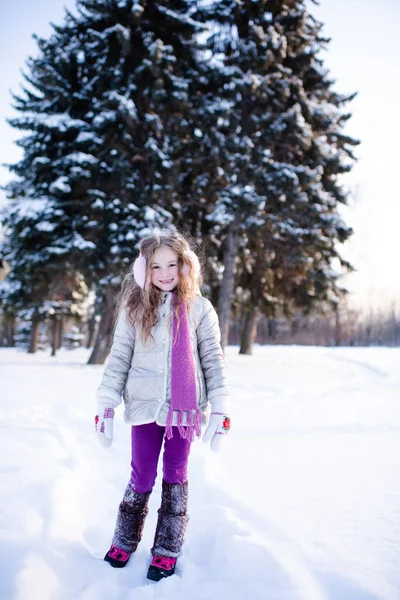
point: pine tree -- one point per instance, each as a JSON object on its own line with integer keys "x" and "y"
{"x": 107, "y": 121}
{"x": 284, "y": 143}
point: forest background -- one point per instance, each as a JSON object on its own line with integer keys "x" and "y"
{"x": 225, "y": 122}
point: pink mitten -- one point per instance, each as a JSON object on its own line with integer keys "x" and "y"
{"x": 218, "y": 426}
{"x": 104, "y": 424}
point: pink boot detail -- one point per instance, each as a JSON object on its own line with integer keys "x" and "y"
{"x": 117, "y": 557}
{"x": 163, "y": 562}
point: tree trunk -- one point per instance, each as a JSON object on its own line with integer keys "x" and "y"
{"x": 91, "y": 331}
{"x": 34, "y": 336}
{"x": 104, "y": 336}
{"x": 272, "y": 328}
{"x": 228, "y": 280}
{"x": 10, "y": 332}
{"x": 249, "y": 330}
{"x": 56, "y": 335}
{"x": 338, "y": 328}
{"x": 60, "y": 333}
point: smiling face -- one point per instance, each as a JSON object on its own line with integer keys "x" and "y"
{"x": 164, "y": 269}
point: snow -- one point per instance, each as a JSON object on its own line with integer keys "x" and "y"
{"x": 45, "y": 226}
{"x": 60, "y": 121}
{"x": 81, "y": 157}
{"x": 81, "y": 243}
{"x": 303, "y": 503}
{"x": 183, "y": 18}
{"x": 87, "y": 136}
{"x": 60, "y": 185}
{"x": 125, "y": 104}
{"x": 27, "y": 208}
{"x": 41, "y": 160}
{"x": 106, "y": 116}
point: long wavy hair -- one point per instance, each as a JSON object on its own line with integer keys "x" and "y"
{"x": 142, "y": 304}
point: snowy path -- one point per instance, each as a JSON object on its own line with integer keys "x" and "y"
{"x": 303, "y": 504}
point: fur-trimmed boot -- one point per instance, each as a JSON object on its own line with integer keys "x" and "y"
{"x": 170, "y": 531}
{"x": 132, "y": 513}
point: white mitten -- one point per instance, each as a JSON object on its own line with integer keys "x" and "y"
{"x": 104, "y": 424}
{"x": 218, "y": 426}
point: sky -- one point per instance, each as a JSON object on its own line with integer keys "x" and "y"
{"x": 363, "y": 56}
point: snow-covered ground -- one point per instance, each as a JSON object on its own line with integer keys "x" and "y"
{"x": 303, "y": 503}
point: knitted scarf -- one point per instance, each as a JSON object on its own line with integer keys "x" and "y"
{"x": 183, "y": 379}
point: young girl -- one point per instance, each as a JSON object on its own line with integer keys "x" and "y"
{"x": 167, "y": 363}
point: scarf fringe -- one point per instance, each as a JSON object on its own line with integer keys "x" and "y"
{"x": 192, "y": 428}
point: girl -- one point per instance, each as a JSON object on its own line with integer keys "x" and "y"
{"x": 167, "y": 363}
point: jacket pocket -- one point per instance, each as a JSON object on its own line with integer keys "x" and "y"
{"x": 143, "y": 386}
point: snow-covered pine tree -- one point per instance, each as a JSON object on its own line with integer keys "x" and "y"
{"x": 106, "y": 107}
{"x": 284, "y": 142}
{"x": 275, "y": 279}
{"x": 37, "y": 289}
{"x": 27, "y": 285}
{"x": 310, "y": 150}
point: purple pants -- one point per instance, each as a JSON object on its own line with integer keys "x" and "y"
{"x": 146, "y": 447}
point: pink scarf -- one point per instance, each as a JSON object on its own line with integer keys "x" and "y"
{"x": 183, "y": 379}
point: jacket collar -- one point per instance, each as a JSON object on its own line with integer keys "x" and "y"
{"x": 166, "y": 298}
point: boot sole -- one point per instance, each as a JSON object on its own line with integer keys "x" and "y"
{"x": 117, "y": 564}
{"x": 156, "y": 574}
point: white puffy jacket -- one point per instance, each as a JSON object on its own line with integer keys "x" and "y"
{"x": 141, "y": 372}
